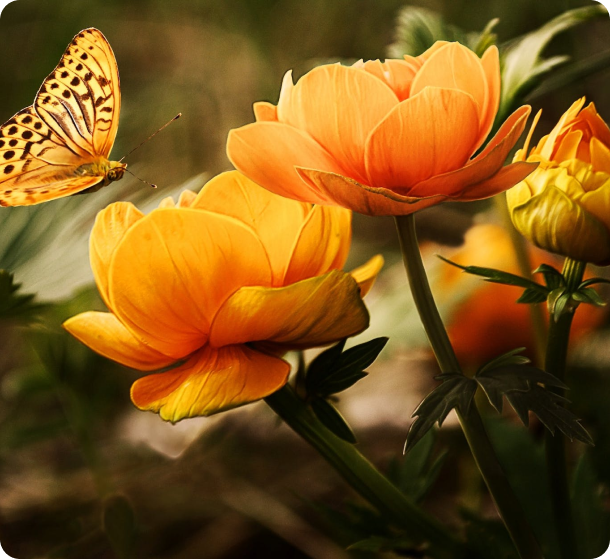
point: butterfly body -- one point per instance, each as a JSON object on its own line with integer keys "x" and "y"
{"x": 60, "y": 145}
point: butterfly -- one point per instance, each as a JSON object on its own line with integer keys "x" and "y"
{"x": 60, "y": 145}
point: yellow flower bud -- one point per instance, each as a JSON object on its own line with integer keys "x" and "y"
{"x": 564, "y": 205}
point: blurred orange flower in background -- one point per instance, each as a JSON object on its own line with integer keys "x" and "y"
{"x": 222, "y": 284}
{"x": 488, "y": 321}
{"x": 564, "y": 206}
{"x": 385, "y": 138}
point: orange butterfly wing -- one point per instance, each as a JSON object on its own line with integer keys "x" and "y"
{"x": 72, "y": 123}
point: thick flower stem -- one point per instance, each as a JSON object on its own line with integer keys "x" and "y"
{"x": 556, "y": 354}
{"x": 506, "y": 502}
{"x": 364, "y": 477}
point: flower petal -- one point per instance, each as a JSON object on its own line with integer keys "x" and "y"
{"x": 109, "y": 228}
{"x": 426, "y": 135}
{"x": 600, "y": 156}
{"x": 212, "y": 380}
{"x": 174, "y": 269}
{"x": 267, "y": 152}
{"x": 397, "y": 74}
{"x": 338, "y": 106}
{"x": 265, "y": 112}
{"x": 235, "y": 195}
{"x": 455, "y": 67}
{"x": 551, "y": 220}
{"x": 366, "y": 274}
{"x": 482, "y": 167}
{"x": 364, "y": 199}
{"x": 310, "y": 313}
{"x": 322, "y": 244}
{"x": 491, "y": 66}
{"x": 106, "y": 335}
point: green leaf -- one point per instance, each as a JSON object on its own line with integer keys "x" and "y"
{"x": 532, "y": 296}
{"x": 415, "y": 473}
{"x": 120, "y": 525}
{"x": 339, "y": 371}
{"x": 332, "y": 419}
{"x": 14, "y": 305}
{"x": 511, "y": 357}
{"x": 592, "y": 281}
{"x": 322, "y": 364}
{"x": 562, "y": 305}
{"x": 455, "y": 391}
{"x": 550, "y": 410}
{"x": 552, "y": 298}
{"x": 522, "y": 64}
{"x": 552, "y": 277}
{"x": 498, "y": 276}
{"x": 378, "y": 544}
{"x": 499, "y": 381}
{"x": 417, "y": 29}
{"x": 590, "y": 296}
{"x": 574, "y": 73}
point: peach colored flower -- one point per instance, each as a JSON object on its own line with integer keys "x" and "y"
{"x": 220, "y": 285}
{"x": 385, "y": 138}
{"x": 564, "y": 205}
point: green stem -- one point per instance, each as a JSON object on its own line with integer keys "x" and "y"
{"x": 506, "y": 502}
{"x": 364, "y": 477}
{"x": 556, "y": 355}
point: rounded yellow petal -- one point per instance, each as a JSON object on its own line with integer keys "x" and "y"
{"x": 339, "y": 106}
{"x": 276, "y": 220}
{"x": 174, "y": 269}
{"x": 267, "y": 152}
{"x": 322, "y": 244}
{"x": 366, "y": 274}
{"x": 554, "y": 222}
{"x": 310, "y": 313}
{"x": 212, "y": 380}
{"x": 106, "y": 335}
{"x": 429, "y": 134}
{"x": 109, "y": 228}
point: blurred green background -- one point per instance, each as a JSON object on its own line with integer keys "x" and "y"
{"x": 82, "y": 474}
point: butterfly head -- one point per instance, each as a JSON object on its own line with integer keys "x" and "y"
{"x": 115, "y": 171}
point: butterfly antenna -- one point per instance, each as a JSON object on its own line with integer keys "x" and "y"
{"x": 151, "y": 136}
{"x": 141, "y": 180}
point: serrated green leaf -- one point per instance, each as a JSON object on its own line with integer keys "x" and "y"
{"x": 324, "y": 363}
{"x": 497, "y": 382}
{"x": 589, "y": 296}
{"x": 332, "y": 419}
{"x": 531, "y": 296}
{"x": 522, "y": 65}
{"x": 511, "y": 357}
{"x": 552, "y": 277}
{"x": 550, "y": 410}
{"x": 455, "y": 391}
{"x": 120, "y": 525}
{"x": 498, "y": 276}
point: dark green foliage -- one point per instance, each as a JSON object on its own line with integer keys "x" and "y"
{"x": 332, "y": 419}
{"x": 15, "y": 305}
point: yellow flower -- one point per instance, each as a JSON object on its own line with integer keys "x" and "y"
{"x": 564, "y": 205}
{"x": 221, "y": 285}
{"x": 385, "y": 138}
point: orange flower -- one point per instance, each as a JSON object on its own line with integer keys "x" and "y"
{"x": 222, "y": 284}
{"x": 564, "y": 205}
{"x": 385, "y": 138}
{"x": 488, "y": 321}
